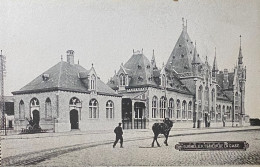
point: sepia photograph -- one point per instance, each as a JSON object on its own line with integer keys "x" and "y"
{"x": 130, "y": 83}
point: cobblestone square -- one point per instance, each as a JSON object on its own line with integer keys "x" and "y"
{"x": 139, "y": 152}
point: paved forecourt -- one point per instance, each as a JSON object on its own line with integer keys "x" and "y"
{"x": 140, "y": 153}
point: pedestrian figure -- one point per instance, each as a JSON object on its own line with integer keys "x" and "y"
{"x": 119, "y": 135}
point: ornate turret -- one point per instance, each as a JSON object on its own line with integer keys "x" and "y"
{"x": 215, "y": 66}
{"x": 153, "y": 63}
{"x": 240, "y": 56}
{"x": 195, "y": 62}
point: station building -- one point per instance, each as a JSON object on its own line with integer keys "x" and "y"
{"x": 187, "y": 89}
{"x": 66, "y": 97}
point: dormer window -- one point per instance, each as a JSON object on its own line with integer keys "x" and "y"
{"x": 93, "y": 82}
{"x": 148, "y": 66}
{"x": 173, "y": 57}
{"x": 139, "y": 67}
{"x": 182, "y": 55}
{"x": 45, "y": 77}
{"x": 179, "y": 45}
{"x": 122, "y": 79}
{"x": 140, "y": 78}
{"x": 163, "y": 80}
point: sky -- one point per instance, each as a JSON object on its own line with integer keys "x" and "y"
{"x": 35, "y": 33}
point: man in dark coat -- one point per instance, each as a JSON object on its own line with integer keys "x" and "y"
{"x": 119, "y": 135}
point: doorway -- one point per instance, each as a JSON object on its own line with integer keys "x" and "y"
{"x": 36, "y": 117}
{"x": 74, "y": 119}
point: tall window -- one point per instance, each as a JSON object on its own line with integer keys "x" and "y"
{"x": 178, "y": 109}
{"x": 206, "y": 98}
{"x": 93, "y": 82}
{"x": 162, "y": 107}
{"x": 48, "y": 110}
{"x": 93, "y": 108}
{"x": 184, "y": 109}
{"x": 21, "y": 110}
{"x": 110, "y": 109}
{"x": 154, "y": 106}
{"x": 190, "y": 110}
{"x": 122, "y": 79}
{"x": 200, "y": 112}
{"x": 200, "y": 93}
{"x": 171, "y": 108}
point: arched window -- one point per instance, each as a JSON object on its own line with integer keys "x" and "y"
{"x": 93, "y": 82}
{"x": 162, "y": 107}
{"x": 34, "y": 102}
{"x": 74, "y": 101}
{"x": 109, "y": 109}
{"x": 154, "y": 106}
{"x": 224, "y": 111}
{"x": 200, "y": 93}
{"x": 206, "y": 98}
{"x": 219, "y": 112}
{"x": 190, "y": 110}
{"x": 48, "y": 109}
{"x": 178, "y": 106}
{"x": 21, "y": 110}
{"x": 171, "y": 108}
{"x": 122, "y": 79}
{"x": 184, "y": 109}
{"x": 200, "y": 112}
{"x": 212, "y": 95}
{"x": 93, "y": 108}
{"x": 163, "y": 80}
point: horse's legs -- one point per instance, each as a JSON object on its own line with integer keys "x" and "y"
{"x": 166, "y": 138}
{"x": 157, "y": 141}
{"x": 153, "y": 141}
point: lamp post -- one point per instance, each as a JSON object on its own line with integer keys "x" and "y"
{"x": 195, "y": 105}
{"x": 2, "y": 73}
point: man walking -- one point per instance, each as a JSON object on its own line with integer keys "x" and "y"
{"x": 119, "y": 135}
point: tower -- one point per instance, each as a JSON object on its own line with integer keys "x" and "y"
{"x": 241, "y": 79}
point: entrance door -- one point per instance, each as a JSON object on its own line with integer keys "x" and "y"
{"x": 74, "y": 119}
{"x": 36, "y": 117}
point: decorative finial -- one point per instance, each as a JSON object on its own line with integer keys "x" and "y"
{"x": 142, "y": 50}
{"x": 195, "y": 44}
{"x": 133, "y": 51}
{"x": 240, "y": 40}
{"x": 92, "y": 64}
{"x": 1, "y": 52}
{"x": 206, "y": 58}
{"x": 61, "y": 58}
{"x": 153, "y": 52}
{"x": 186, "y": 23}
{"x": 78, "y": 61}
{"x": 215, "y": 51}
{"x": 183, "y": 23}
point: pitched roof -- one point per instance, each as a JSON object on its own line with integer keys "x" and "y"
{"x": 220, "y": 79}
{"x": 182, "y": 54}
{"x": 63, "y": 76}
{"x": 139, "y": 70}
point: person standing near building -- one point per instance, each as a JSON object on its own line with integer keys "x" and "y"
{"x": 119, "y": 135}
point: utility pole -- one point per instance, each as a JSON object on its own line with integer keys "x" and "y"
{"x": 2, "y": 75}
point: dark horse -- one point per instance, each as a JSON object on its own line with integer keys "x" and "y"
{"x": 162, "y": 128}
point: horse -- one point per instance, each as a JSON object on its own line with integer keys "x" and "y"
{"x": 162, "y": 128}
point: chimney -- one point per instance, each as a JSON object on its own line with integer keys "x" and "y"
{"x": 70, "y": 57}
